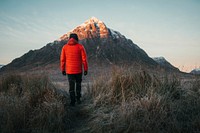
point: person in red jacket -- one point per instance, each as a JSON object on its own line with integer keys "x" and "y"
{"x": 73, "y": 60}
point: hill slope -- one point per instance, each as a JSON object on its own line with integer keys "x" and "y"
{"x": 164, "y": 63}
{"x": 195, "y": 71}
{"x": 103, "y": 45}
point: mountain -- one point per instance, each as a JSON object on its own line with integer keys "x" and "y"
{"x": 1, "y": 66}
{"x": 106, "y": 45}
{"x": 164, "y": 63}
{"x": 35, "y": 58}
{"x": 103, "y": 45}
{"x": 195, "y": 71}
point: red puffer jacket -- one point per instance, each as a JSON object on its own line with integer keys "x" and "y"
{"x": 72, "y": 57}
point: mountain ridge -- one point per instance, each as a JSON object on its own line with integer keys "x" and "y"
{"x": 1, "y": 66}
{"x": 103, "y": 45}
{"x": 195, "y": 71}
{"x": 164, "y": 63}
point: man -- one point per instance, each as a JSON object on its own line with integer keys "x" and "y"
{"x": 73, "y": 57}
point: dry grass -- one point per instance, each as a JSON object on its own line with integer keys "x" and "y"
{"x": 139, "y": 102}
{"x": 120, "y": 101}
{"x": 32, "y": 104}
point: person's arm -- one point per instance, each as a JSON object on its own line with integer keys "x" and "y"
{"x": 62, "y": 60}
{"x": 84, "y": 60}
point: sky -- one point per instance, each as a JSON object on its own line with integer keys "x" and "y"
{"x": 168, "y": 28}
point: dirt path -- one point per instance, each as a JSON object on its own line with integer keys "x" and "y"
{"x": 82, "y": 118}
{"x": 80, "y": 112}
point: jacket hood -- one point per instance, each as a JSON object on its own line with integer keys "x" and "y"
{"x": 72, "y": 41}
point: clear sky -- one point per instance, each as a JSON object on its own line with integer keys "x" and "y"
{"x": 168, "y": 28}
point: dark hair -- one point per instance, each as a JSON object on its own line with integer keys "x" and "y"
{"x": 74, "y": 35}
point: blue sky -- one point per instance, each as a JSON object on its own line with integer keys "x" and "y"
{"x": 169, "y": 28}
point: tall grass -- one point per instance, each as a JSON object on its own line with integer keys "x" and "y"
{"x": 124, "y": 100}
{"x": 140, "y": 102}
{"x": 32, "y": 104}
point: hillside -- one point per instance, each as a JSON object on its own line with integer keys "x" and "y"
{"x": 164, "y": 63}
{"x": 195, "y": 71}
{"x": 103, "y": 45}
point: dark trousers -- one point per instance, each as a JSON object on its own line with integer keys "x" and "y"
{"x": 75, "y": 86}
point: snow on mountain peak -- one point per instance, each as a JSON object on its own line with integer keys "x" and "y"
{"x": 195, "y": 71}
{"x": 1, "y": 66}
{"x": 159, "y": 59}
{"x": 91, "y": 28}
{"x": 163, "y": 62}
{"x": 94, "y": 19}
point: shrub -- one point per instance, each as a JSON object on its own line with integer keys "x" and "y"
{"x": 32, "y": 104}
{"x": 140, "y": 102}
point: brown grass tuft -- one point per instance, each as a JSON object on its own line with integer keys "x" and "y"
{"x": 32, "y": 104}
{"x": 140, "y": 102}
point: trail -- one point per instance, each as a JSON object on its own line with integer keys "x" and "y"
{"x": 80, "y": 112}
{"x": 82, "y": 117}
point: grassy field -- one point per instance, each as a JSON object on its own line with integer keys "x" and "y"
{"x": 139, "y": 102}
{"x": 120, "y": 101}
{"x": 32, "y": 104}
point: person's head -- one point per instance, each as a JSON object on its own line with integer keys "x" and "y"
{"x": 73, "y": 35}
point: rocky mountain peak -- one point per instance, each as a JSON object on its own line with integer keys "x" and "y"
{"x": 93, "y": 20}
{"x": 91, "y": 28}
